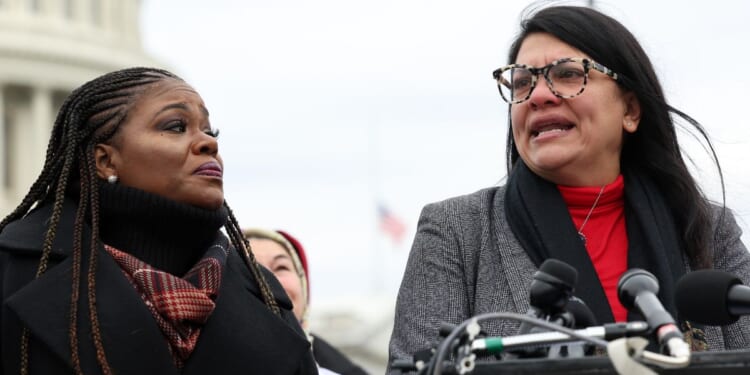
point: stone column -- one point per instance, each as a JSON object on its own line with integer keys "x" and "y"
{"x": 79, "y": 11}
{"x": 105, "y": 15}
{"x": 40, "y": 128}
{"x": 4, "y": 159}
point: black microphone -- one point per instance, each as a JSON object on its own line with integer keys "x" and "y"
{"x": 550, "y": 291}
{"x": 577, "y": 315}
{"x": 582, "y": 314}
{"x": 721, "y": 301}
{"x": 637, "y": 289}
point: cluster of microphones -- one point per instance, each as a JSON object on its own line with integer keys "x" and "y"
{"x": 559, "y": 325}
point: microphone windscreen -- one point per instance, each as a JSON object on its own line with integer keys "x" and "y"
{"x": 634, "y": 282}
{"x": 701, "y": 296}
{"x": 582, "y": 314}
{"x": 562, "y": 271}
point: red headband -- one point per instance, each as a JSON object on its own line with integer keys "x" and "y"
{"x": 302, "y": 258}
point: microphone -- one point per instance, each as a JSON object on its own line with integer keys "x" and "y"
{"x": 549, "y": 292}
{"x": 637, "y": 289}
{"x": 551, "y": 299}
{"x": 582, "y": 315}
{"x": 722, "y": 300}
{"x": 577, "y": 315}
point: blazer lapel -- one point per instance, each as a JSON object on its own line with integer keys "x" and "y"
{"x": 515, "y": 261}
{"x": 128, "y": 330}
{"x": 242, "y": 331}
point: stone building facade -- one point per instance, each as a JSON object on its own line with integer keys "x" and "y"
{"x": 47, "y": 48}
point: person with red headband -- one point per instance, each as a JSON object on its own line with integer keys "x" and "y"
{"x": 285, "y": 257}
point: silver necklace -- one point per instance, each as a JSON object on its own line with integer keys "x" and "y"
{"x": 586, "y": 220}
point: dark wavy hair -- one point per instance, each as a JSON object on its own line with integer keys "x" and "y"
{"x": 653, "y": 149}
{"x": 93, "y": 114}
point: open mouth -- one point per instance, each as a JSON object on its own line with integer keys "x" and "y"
{"x": 551, "y": 128}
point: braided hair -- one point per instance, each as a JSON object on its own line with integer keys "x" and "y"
{"x": 93, "y": 114}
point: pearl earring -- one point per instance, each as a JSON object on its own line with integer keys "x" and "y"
{"x": 112, "y": 179}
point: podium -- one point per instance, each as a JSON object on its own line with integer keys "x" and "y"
{"x": 735, "y": 362}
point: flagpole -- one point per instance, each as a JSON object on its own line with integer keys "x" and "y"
{"x": 377, "y": 273}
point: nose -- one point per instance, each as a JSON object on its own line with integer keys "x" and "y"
{"x": 542, "y": 95}
{"x": 206, "y": 144}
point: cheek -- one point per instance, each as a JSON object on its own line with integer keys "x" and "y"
{"x": 517, "y": 120}
{"x": 291, "y": 284}
{"x": 147, "y": 154}
{"x": 602, "y": 104}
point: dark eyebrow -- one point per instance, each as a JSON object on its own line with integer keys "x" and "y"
{"x": 181, "y": 106}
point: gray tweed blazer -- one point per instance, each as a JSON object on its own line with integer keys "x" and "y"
{"x": 465, "y": 261}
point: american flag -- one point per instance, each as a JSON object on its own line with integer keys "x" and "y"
{"x": 390, "y": 224}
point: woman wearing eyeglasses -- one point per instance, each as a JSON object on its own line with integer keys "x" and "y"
{"x": 595, "y": 179}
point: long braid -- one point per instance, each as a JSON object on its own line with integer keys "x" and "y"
{"x": 242, "y": 247}
{"x": 48, "y": 239}
{"x": 76, "y": 277}
{"x": 91, "y": 276}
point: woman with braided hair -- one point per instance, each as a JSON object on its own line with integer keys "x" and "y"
{"x": 115, "y": 261}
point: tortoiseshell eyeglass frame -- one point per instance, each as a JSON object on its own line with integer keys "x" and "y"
{"x": 544, "y": 71}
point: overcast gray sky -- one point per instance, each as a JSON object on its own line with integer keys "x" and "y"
{"x": 327, "y": 106}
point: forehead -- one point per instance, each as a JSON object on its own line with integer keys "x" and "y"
{"x": 266, "y": 249}
{"x": 166, "y": 91}
{"x": 539, "y": 49}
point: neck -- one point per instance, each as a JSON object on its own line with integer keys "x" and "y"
{"x": 166, "y": 234}
{"x": 593, "y": 175}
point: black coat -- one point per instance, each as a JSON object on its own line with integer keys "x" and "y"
{"x": 242, "y": 336}
{"x": 331, "y": 358}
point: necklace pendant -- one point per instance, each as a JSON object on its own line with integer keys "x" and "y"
{"x": 586, "y": 220}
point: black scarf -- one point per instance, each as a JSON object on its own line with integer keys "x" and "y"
{"x": 166, "y": 234}
{"x": 539, "y": 218}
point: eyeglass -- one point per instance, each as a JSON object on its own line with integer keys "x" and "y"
{"x": 566, "y": 78}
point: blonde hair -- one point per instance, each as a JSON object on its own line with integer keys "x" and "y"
{"x": 275, "y": 236}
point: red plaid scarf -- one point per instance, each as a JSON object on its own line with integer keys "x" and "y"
{"x": 180, "y": 305}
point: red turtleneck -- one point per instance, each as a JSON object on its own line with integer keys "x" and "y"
{"x": 606, "y": 237}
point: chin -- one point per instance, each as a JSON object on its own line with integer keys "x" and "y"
{"x": 551, "y": 158}
{"x": 213, "y": 205}
{"x": 209, "y": 203}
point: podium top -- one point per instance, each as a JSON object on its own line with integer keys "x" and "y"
{"x": 734, "y": 362}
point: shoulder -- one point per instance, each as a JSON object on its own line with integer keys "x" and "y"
{"x": 331, "y": 358}
{"x": 26, "y": 235}
{"x": 479, "y": 201}
{"x": 729, "y": 253}
{"x": 723, "y": 219}
{"x": 726, "y": 231}
{"x": 463, "y": 227}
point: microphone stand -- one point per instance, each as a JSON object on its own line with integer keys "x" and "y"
{"x": 464, "y": 343}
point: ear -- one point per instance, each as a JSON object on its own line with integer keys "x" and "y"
{"x": 632, "y": 116}
{"x": 103, "y": 157}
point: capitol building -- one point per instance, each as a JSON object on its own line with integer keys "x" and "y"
{"x": 48, "y": 48}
